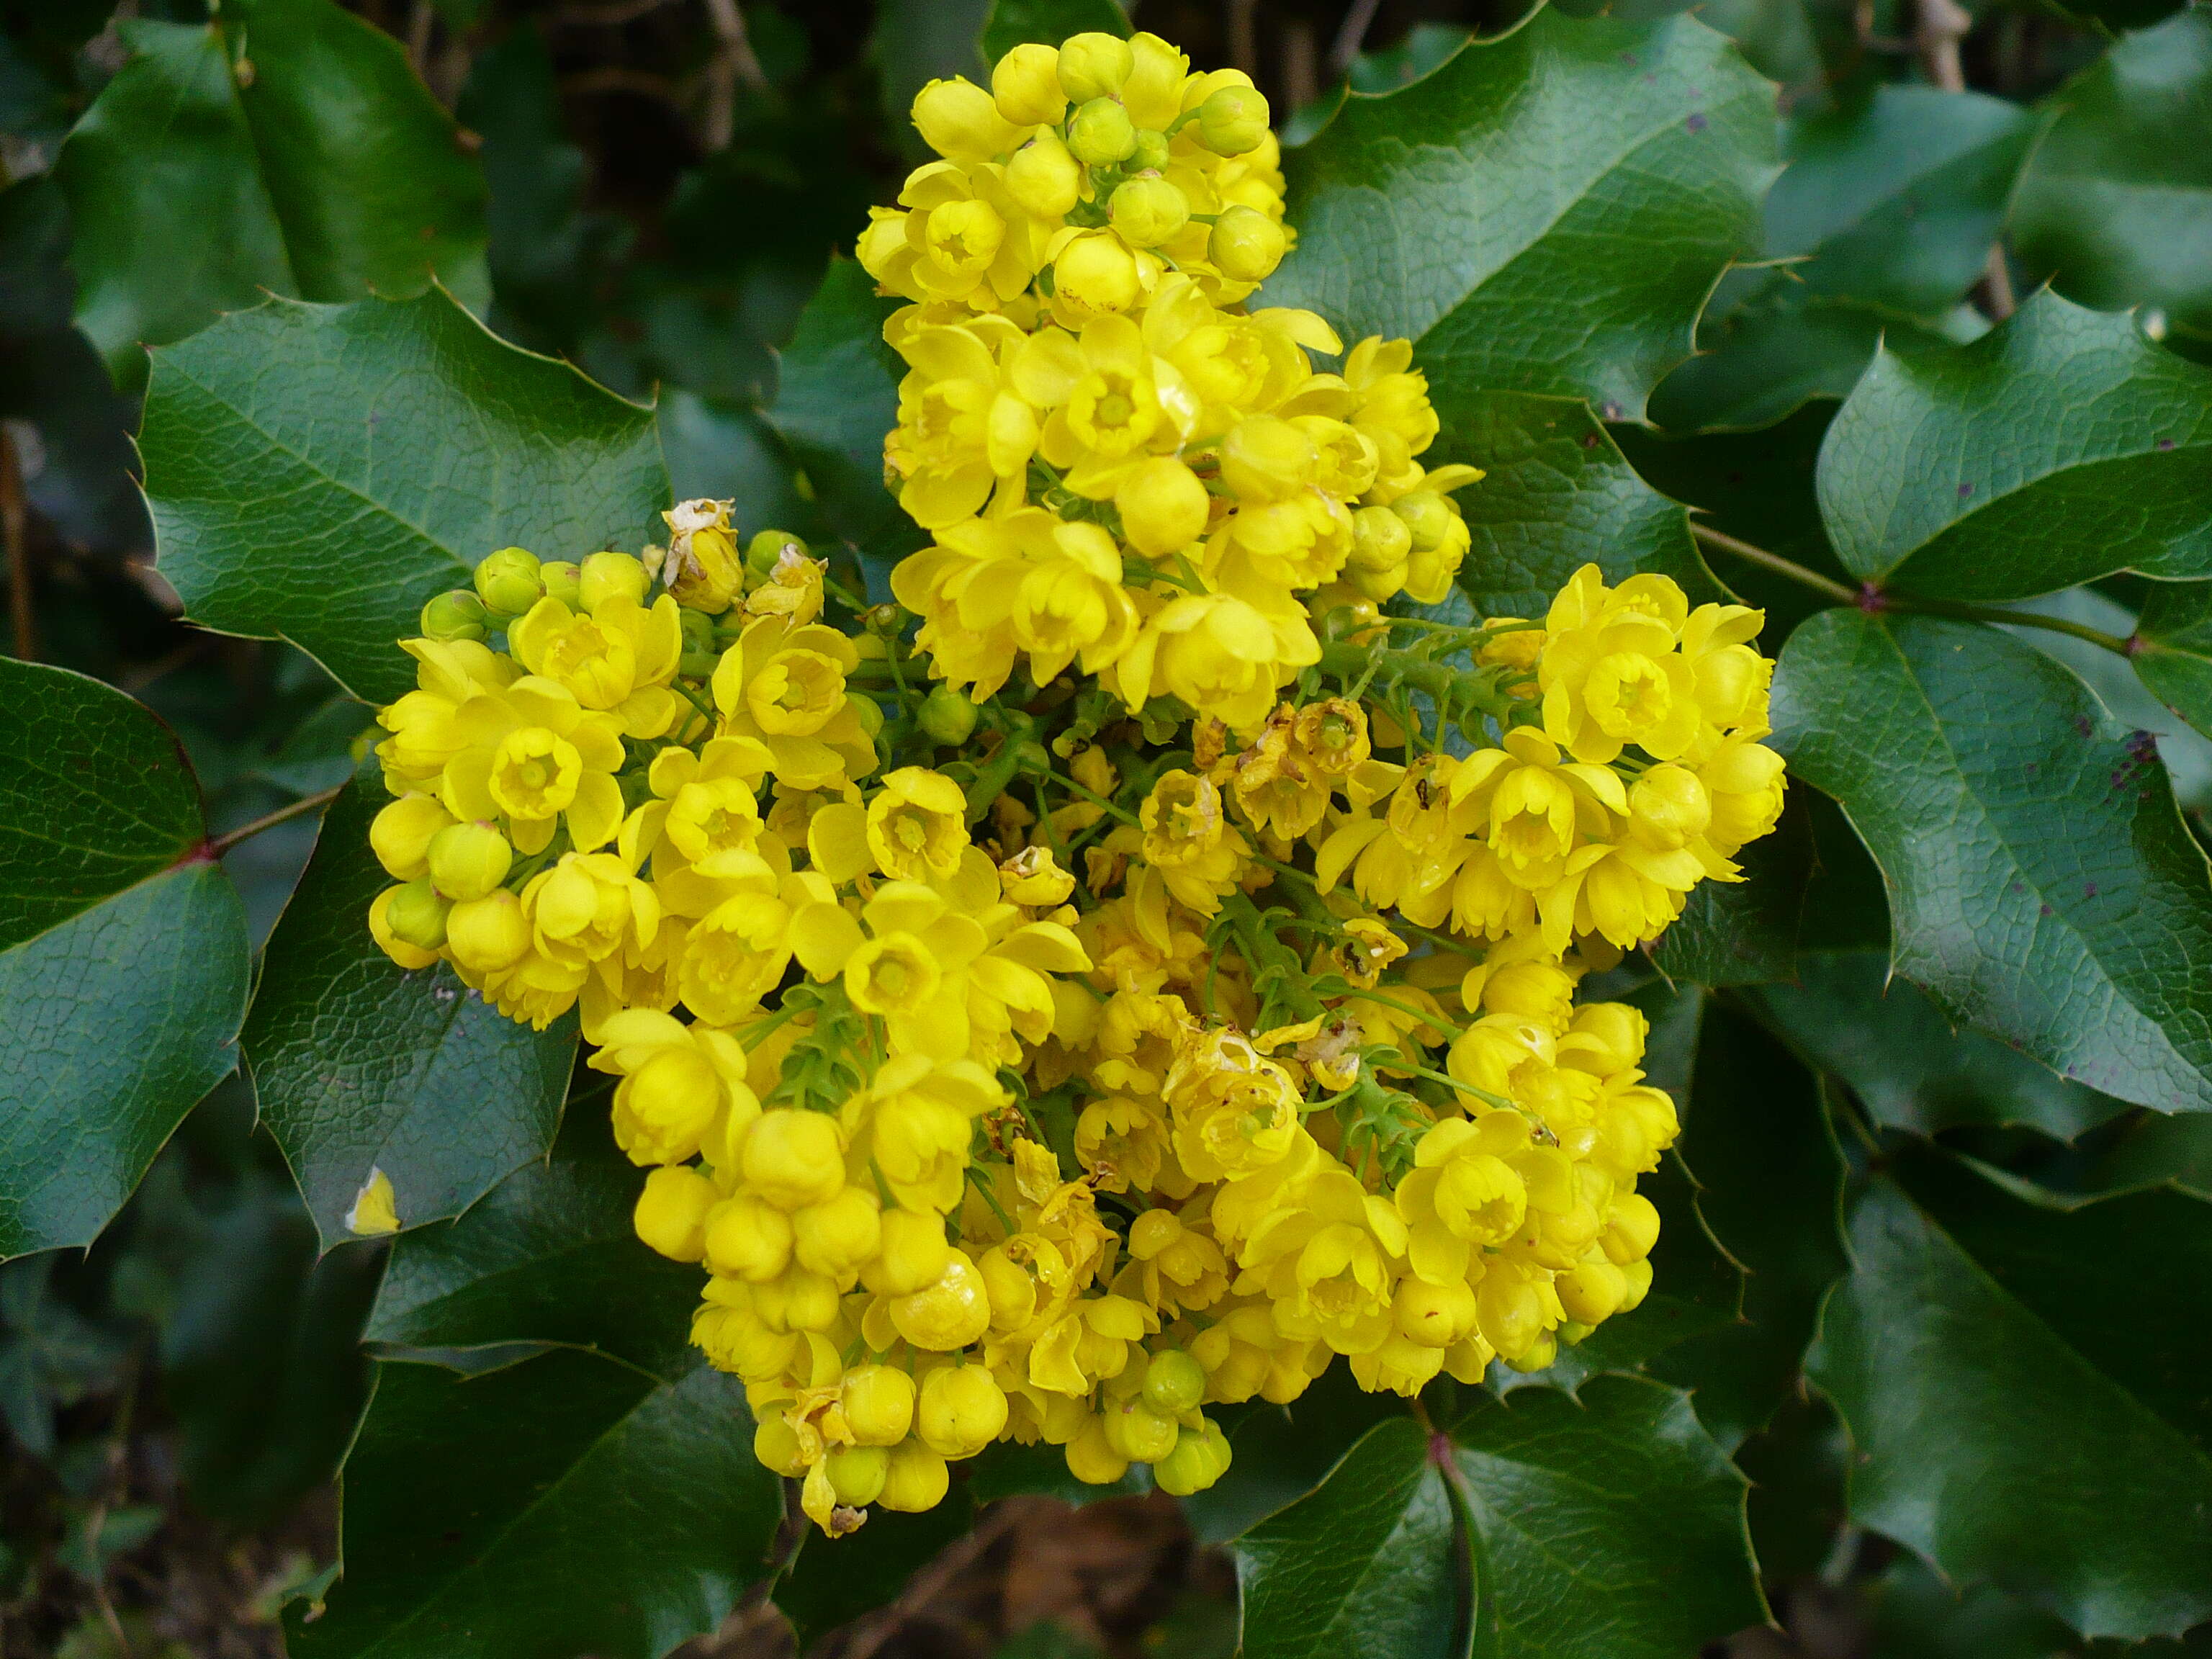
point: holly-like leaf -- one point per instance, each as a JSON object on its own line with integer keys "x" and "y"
{"x": 2113, "y": 205}
{"x": 1881, "y": 221}
{"x": 1417, "y": 1544}
{"x": 2060, "y": 446}
{"x": 836, "y": 396}
{"x": 1557, "y": 495}
{"x": 2172, "y": 649}
{"x": 1745, "y": 932}
{"x": 361, "y": 1065}
{"x": 2042, "y": 887}
{"x": 570, "y": 1503}
{"x": 1545, "y": 212}
{"x": 548, "y": 1255}
{"x": 1907, "y": 1066}
{"x": 1989, "y": 1352}
{"x": 287, "y": 148}
{"x": 1048, "y": 22}
{"x": 317, "y": 472}
{"x": 123, "y": 952}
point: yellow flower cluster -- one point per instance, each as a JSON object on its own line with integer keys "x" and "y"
{"x": 1122, "y": 466}
{"x": 1183, "y": 992}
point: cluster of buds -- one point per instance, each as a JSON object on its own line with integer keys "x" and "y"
{"x": 1181, "y": 990}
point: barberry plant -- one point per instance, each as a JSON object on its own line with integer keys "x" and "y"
{"x": 1237, "y": 911}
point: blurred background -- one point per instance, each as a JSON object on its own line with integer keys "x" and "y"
{"x": 668, "y": 180}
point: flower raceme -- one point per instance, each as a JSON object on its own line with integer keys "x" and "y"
{"x": 1137, "y": 968}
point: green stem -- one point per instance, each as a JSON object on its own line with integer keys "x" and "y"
{"x": 1447, "y": 1029}
{"x": 299, "y": 808}
{"x": 1774, "y": 561}
{"x": 1483, "y": 1095}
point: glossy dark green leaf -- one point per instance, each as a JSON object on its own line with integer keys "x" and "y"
{"x": 567, "y": 1504}
{"x": 918, "y": 41}
{"x": 836, "y": 396}
{"x": 316, "y": 472}
{"x": 1557, "y": 495}
{"x": 361, "y": 1065}
{"x": 1769, "y": 1178}
{"x": 2042, "y": 887}
{"x": 289, "y": 147}
{"x": 2173, "y": 650}
{"x": 2115, "y": 204}
{"x": 1546, "y": 212}
{"x": 548, "y": 1255}
{"x": 1881, "y": 221}
{"x": 1048, "y": 21}
{"x": 1413, "y": 1541}
{"x": 2011, "y": 1422}
{"x": 2060, "y": 446}
{"x": 1280, "y": 1453}
{"x": 1745, "y": 932}
{"x": 123, "y": 952}
{"x": 1907, "y": 1066}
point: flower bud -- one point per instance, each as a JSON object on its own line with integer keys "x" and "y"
{"x": 1094, "y": 65}
{"x": 409, "y": 957}
{"x": 459, "y": 615}
{"x": 1592, "y": 1291}
{"x": 1043, "y": 178}
{"x": 671, "y": 1212}
{"x": 793, "y": 1157}
{"x": 776, "y": 1448}
{"x": 960, "y": 120}
{"x": 948, "y": 1315}
{"x": 1163, "y": 507}
{"x": 1232, "y": 120}
{"x": 748, "y": 1239}
{"x": 1090, "y": 1455}
{"x": 857, "y": 1473}
{"x": 1148, "y": 211}
{"x": 948, "y": 715}
{"x": 961, "y": 1411}
{"x": 1434, "y": 1315}
{"x": 1097, "y": 275}
{"x": 1193, "y": 1466}
{"x": 468, "y": 860}
{"x": 1265, "y": 459}
{"x": 1669, "y": 806}
{"x": 508, "y": 581}
{"x": 707, "y": 571}
{"x": 1150, "y": 155}
{"x": 612, "y": 575}
{"x": 416, "y": 915}
{"x": 400, "y": 835}
{"x": 1428, "y": 516}
{"x": 766, "y": 548}
{"x": 1631, "y": 1229}
{"x": 564, "y": 580}
{"x": 911, "y": 1253}
{"x": 1246, "y": 245}
{"x": 1138, "y": 1432}
{"x": 879, "y": 1404}
{"x": 1101, "y": 133}
{"x": 1026, "y": 84}
{"x": 917, "y": 1481}
{"x": 1381, "y": 541}
{"x": 1173, "y": 1383}
{"x": 487, "y": 935}
{"x": 835, "y": 1236}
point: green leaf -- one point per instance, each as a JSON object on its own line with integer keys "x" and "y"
{"x": 288, "y": 148}
{"x": 918, "y": 41}
{"x": 1882, "y": 219}
{"x": 1988, "y": 1352}
{"x": 317, "y": 472}
{"x": 361, "y": 1065}
{"x": 835, "y": 1580}
{"x": 2114, "y": 205}
{"x": 1557, "y": 495}
{"x": 1908, "y": 1067}
{"x": 2042, "y": 887}
{"x": 2173, "y": 650}
{"x": 123, "y": 952}
{"x": 1283, "y": 1452}
{"x": 2059, "y": 448}
{"x": 570, "y": 1503}
{"x": 548, "y": 1255}
{"x": 836, "y": 396}
{"x": 1770, "y": 1177}
{"x": 1745, "y": 932}
{"x": 1049, "y": 22}
{"x": 1551, "y": 1526}
{"x": 1546, "y": 212}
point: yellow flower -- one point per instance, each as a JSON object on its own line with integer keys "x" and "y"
{"x": 963, "y": 239}
{"x": 917, "y": 824}
{"x": 1222, "y": 655}
{"x": 1464, "y": 1192}
{"x": 914, "y": 1124}
{"x": 963, "y": 426}
{"x": 736, "y": 954}
{"x": 619, "y": 657}
{"x": 532, "y": 755}
{"x": 702, "y": 569}
{"x": 784, "y": 686}
{"x": 1328, "y": 1265}
{"x": 1234, "y": 1110}
{"x": 682, "y": 1086}
{"x": 1187, "y": 838}
{"x": 588, "y": 907}
{"x": 1611, "y": 675}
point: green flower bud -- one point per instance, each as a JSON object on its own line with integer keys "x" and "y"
{"x": 1173, "y": 1383}
{"x": 1094, "y": 65}
{"x": 468, "y": 860}
{"x": 564, "y": 581}
{"x": 1191, "y": 1466}
{"x": 1151, "y": 154}
{"x": 1428, "y": 516}
{"x": 1139, "y": 1433}
{"x": 509, "y": 582}
{"x": 766, "y": 548}
{"x": 1148, "y": 211}
{"x": 1232, "y": 120}
{"x": 1101, "y": 133}
{"x": 947, "y": 715}
{"x": 459, "y": 615}
{"x": 1246, "y": 245}
{"x": 416, "y": 917}
{"x": 612, "y": 575}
